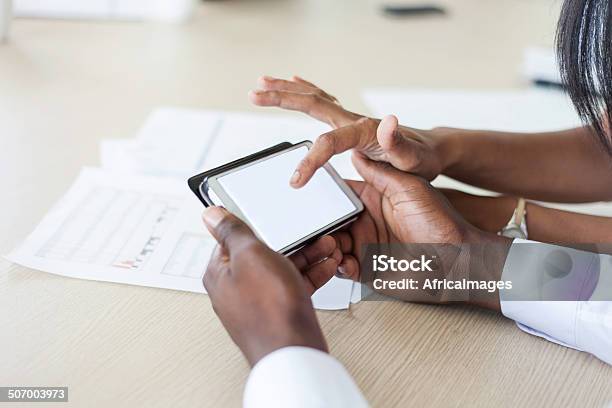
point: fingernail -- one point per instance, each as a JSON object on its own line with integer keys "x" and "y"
{"x": 262, "y": 81}
{"x": 342, "y": 270}
{"x": 212, "y": 216}
{"x": 257, "y": 91}
{"x": 295, "y": 178}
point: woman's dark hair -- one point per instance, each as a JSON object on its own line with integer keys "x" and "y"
{"x": 584, "y": 50}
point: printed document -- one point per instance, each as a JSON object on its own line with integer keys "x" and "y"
{"x": 136, "y": 222}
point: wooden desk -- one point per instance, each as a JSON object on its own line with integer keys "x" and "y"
{"x": 66, "y": 85}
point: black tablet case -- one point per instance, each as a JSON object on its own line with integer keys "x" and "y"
{"x": 196, "y": 181}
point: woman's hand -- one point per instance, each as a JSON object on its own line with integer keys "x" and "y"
{"x": 261, "y": 297}
{"x": 420, "y": 152}
{"x": 404, "y": 210}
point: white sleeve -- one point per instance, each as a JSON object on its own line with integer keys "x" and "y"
{"x": 301, "y": 377}
{"x": 561, "y": 294}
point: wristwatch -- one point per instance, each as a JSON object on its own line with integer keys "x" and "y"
{"x": 517, "y": 226}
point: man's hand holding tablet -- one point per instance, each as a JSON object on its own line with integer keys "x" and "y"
{"x": 262, "y": 297}
{"x": 249, "y": 283}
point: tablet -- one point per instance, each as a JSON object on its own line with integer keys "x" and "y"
{"x": 257, "y": 190}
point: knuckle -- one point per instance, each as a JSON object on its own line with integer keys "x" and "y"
{"x": 364, "y": 121}
{"x": 321, "y": 94}
{"x": 251, "y": 246}
{"x": 417, "y": 184}
{"x": 327, "y": 141}
{"x": 314, "y": 99}
{"x": 306, "y": 163}
{"x": 228, "y": 227}
{"x": 268, "y": 97}
{"x": 369, "y": 123}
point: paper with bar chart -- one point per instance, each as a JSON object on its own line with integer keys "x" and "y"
{"x": 128, "y": 229}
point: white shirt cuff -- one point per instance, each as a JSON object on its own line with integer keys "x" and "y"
{"x": 584, "y": 323}
{"x": 301, "y": 377}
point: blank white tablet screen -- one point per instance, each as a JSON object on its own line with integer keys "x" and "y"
{"x": 280, "y": 214}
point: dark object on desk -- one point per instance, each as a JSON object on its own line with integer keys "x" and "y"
{"x": 398, "y": 10}
{"x": 543, "y": 83}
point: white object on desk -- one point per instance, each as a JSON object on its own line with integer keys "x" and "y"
{"x": 540, "y": 65}
{"x": 6, "y": 14}
{"x": 159, "y": 10}
{"x": 534, "y": 110}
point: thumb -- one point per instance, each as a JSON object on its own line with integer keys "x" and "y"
{"x": 382, "y": 176}
{"x": 386, "y": 133}
{"x": 402, "y": 149}
{"x": 227, "y": 229}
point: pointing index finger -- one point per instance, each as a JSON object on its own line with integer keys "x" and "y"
{"x": 325, "y": 147}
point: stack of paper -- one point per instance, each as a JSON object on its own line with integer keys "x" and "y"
{"x": 180, "y": 142}
{"x": 135, "y": 221}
